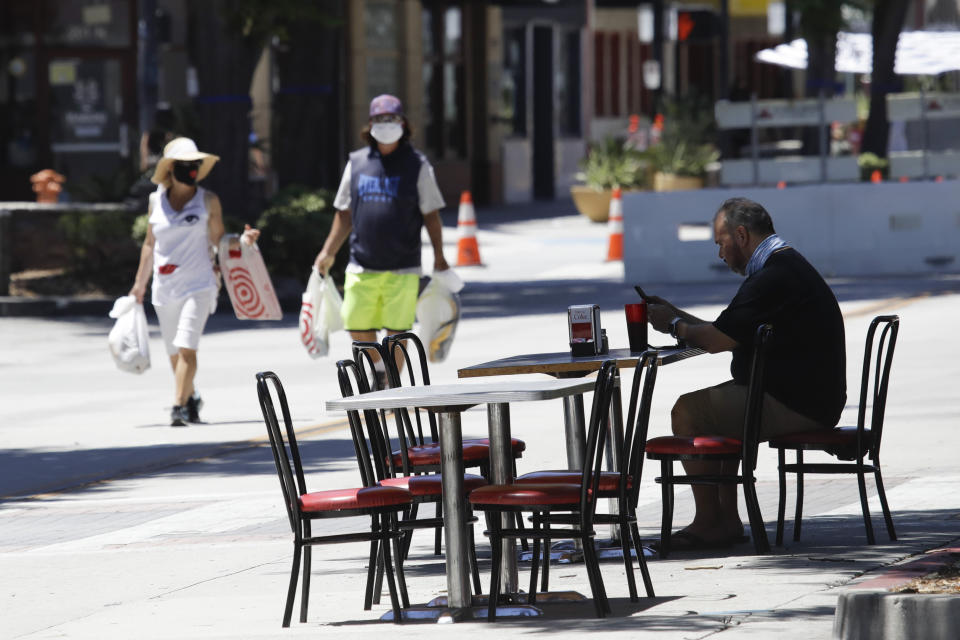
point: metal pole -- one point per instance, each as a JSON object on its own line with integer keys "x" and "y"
{"x": 501, "y": 472}
{"x": 926, "y": 132}
{"x": 754, "y": 139}
{"x": 575, "y": 431}
{"x": 454, "y": 525}
{"x": 822, "y": 134}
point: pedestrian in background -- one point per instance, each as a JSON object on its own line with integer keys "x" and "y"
{"x": 185, "y": 221}
{"x": 387, "y": 193}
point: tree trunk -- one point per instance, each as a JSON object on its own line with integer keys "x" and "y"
{"x": 820, "y": 22}
{"x": 308, "y": 146}
{"x": 888, "y": 18}
{"x": 224, "y": 62}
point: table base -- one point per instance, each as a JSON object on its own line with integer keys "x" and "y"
{"x": 514, "y": 606}
{"x": 567, "y": 552}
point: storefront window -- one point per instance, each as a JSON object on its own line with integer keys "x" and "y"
{"x": 513, "y": 83}
{"x": 380, "y": 40}
{"x": 443, "y": 80}
{"x": 94, "y": 23}
{"x": 567, "y": 82}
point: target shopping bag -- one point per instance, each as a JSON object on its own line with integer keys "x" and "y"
{"x": 319, "y": 314}
{"x": 247, "y": 282}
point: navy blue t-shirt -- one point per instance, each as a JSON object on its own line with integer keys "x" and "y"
{"x": 806, "y": 364}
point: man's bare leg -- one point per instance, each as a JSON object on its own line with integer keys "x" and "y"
{"x": 716, "y": 517}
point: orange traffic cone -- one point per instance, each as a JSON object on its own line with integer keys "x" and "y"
{"x": 615, "y": 227}
{"x": 876, "y": 176}
{"x": 468, "y": 253}
{"x": 781, "y": 185}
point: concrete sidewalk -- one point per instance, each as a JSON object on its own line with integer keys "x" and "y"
{"x": 181, "y": 532}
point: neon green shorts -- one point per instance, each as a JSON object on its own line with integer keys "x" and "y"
{"x": 379, "y": 300}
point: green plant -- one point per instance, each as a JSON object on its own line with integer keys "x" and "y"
{"x": 686, "y": 139}
{"x": 610, "y": 164}
{"x": 292, "y": 231}
{"x": 870, "y": 162}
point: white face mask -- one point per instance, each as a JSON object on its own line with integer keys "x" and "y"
{"x": 386, "y": 132}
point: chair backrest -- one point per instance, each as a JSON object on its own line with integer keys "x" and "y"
{"x": 395, "y": 345}
{"x": 283, "y": 444}
{"x": 635, "y": 437}
{"x": 607, "y": 380}
{"x": 881, "y": 379}
{"x": 366, "y": 355}
{"x": 367, "y": 432}
{"x": 755, "y": 391}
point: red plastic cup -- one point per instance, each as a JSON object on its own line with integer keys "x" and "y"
{"x": 636, "y": 313}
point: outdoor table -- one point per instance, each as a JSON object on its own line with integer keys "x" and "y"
{"x": 448, "y": 401}
{"x": 562, "y": 365}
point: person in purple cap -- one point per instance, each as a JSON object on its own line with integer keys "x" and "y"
{"x": 387, "y": 193}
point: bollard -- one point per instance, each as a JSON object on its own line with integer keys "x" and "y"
{"x": 6, "y": 248}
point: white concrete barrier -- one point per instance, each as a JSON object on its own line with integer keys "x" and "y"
{"x": 859, "y": 229}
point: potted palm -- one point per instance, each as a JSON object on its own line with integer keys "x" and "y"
{"x": 608, "y": 165}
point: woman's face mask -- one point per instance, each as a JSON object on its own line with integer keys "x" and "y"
{"x": 386, "y": 132}
{"x": 186, "y": 172}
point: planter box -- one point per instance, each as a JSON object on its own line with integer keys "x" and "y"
{"x": 673, "y": 182}
{"x": 591, "y": 203}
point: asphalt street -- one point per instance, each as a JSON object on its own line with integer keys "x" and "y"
{"x": 113, "y": 524}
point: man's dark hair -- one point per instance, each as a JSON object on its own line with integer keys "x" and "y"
{"x": 746, "y": 212}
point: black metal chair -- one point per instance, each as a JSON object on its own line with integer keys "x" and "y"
{"x": 622, "y": 485}
{"x": 373, "y": 454}
{"x": 381, "y": 504}
{"x": 670, "y": 449}
{"x": 547, "y": 501}
{"x": 422, "y": 453}
{"x": 849, "y": 443}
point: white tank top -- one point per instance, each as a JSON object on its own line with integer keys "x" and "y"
{"x": 181, "y": 253}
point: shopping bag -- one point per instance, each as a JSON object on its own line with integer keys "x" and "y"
{"x": 438, "y": 312}
{"x": 128, "y": 339}
{"x": 319, "y": 314}
{"x": 247, "y": 281}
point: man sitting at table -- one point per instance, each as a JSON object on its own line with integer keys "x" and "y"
{"x": 806, "y": 365}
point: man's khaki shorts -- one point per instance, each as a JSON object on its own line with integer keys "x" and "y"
{"x": 719, "y": 411}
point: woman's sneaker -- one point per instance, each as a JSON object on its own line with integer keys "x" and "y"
{"x": 193, "y": 406}
{"x": 179, "y": 416}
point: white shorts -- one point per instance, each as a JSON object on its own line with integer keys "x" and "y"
{"x": 182, "y": 322}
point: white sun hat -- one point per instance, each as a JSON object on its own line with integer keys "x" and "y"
{"x": 182, "y": 149}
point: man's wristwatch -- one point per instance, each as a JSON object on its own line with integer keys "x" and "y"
{"x": 674, "y": 325}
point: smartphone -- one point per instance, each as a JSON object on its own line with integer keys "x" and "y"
{"x": 640, "y": 291}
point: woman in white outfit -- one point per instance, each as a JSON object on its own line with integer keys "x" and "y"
{"x": 185, "y": 221}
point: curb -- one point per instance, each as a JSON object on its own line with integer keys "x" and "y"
{"x": 871, "y": 611}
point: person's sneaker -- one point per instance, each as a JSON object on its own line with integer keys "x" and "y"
{"x": 193, "y": 406}
{"x": 179, "y": 417}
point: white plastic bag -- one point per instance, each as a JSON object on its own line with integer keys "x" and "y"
{"x": 438, "y": 311}
{"x": 129, "y": 340}
{"x": 319, "y": 314}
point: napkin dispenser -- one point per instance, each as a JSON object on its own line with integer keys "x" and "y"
{"x": 586, "y": 336}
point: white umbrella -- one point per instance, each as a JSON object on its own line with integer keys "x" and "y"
{"x": 918, "y": 53}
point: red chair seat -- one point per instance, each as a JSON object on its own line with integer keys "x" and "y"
{"x": 429, "y": 454}
{"x": 518, "y": 446}
{"x": 526, "y": 494}
{"x": 836, "y": 437}
{"x": 361, "y": 498}
{"x": 698, "y": 445}
{"x": 430, "y": 485}
{"x": 609, "y": 480}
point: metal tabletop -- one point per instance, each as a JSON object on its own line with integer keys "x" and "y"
{"x": 564, "y": 365}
